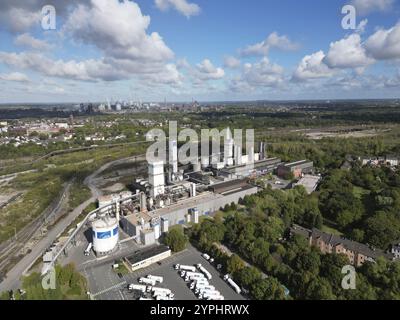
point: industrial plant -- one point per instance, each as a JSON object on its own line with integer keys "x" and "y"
{"x": 178, "y": 195}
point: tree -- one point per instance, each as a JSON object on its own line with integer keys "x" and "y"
{"x": 309, "y": 262}
{"x": 267, "y": 289}
{"x": 248, "y": 276}
{"x": 211, "y": 232}
{"x": 382, "y": 229}
{"x": 235, "y": 264}
{"x": 319, "y": 289}
{"x": 176, "y": 240}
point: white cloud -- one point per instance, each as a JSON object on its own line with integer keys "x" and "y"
{"x": 231, "y": 62}
{"x": 312, "y": 67}
{"x": 274, "y": 40}
{"x": 183, "y": 6}
{"x": 84, "y": 70}
{"x": 170, "y": 75}
{"x": 262, "y": 74}
{"x": 347, "y": 53}
{"x": 20, "y": 19}
{"x": 119, "y": 29}
{"x": 14, "y": 76}
{"x": 207, "y": 71}
{"x": 361, "y": 26}
{"x": 367, "y": 6}
{"x": 384, "y": 44}
{"x": 27, "y": 40}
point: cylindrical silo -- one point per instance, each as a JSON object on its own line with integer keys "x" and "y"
{"x": 105, "y": 235}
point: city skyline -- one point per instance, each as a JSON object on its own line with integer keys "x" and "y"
{"x": 209, "y": 51}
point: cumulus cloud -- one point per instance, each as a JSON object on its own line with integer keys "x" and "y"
{"x": 312, "y": 67}
{"x": 83, "y": 70}
{"x": 262, "y": 74}
{"x": 169, "y": 75}
{"x": 207, "y": 71}
{"x": 182, "y": 6}
{"x": 14, "y": 76}
{"x": 27, "y": 40}
{"x": 231, "y": 62}
{"x": 274, "y": 40}
{"x": 119, "y": 29}
{"x": 384, "y": 44}
{"x": 347, "y": 53}
{"x": 361, "y": 26}
{"x": 367, "y": 6}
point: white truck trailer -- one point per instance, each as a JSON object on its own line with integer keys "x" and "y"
{"x": 137, "y": 287}
{"x": 234, "y": 285}
{"x": 204, "y": 271}
{"x": 185, "y": 268}
{"x": 156, "y": 278}
{"x": 195, "y": 283}
{"x": 150, "y": 282}
{"x": 88, "y": 248}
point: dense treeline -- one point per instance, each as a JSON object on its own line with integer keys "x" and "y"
{"x": 364, "y": 203}
{"x": 258, "y": 234}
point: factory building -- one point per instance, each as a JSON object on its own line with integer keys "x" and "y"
{"x": 147, "y": 257}
{"x": 185, "y": 211}
{"x": 297, "y": 168}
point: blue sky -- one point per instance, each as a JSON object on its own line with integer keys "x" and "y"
{"x": 207, "y": 50}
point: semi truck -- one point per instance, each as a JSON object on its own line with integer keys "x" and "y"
{"x": 156, "y": 278}
{"x": 88, "y": 248}
{"x": 232, "y": 283}
{"x": 209, "y": 293}
{"x": 185, "y": 268}
{"x": 204, "y": 271}
{"x": 147, "y": 281}
{"x": 161, "y": 290}
{"x": 188, "y": 274}
{"x": 202, "y": 289}
{"x": 201, "y": 281}
{"x": 194, "y": 277}
{"x": 137, "y": 287}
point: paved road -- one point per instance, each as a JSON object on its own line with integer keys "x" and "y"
{"x": 12, "y": 280}
{"x": 11, "y": 247}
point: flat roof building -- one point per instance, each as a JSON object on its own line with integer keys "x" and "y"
{"x": 147, "y": 257}
{"x": 296, "y": 168}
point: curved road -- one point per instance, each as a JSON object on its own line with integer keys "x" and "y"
{"x": 12, "y": 280}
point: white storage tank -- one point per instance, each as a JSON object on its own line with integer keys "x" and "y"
{"x": 105, "y": 234}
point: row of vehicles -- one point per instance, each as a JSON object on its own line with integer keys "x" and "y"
{"x": 147, "y": 286}
{"x": 227, "y": 277}
{"x": 199, "y": 277}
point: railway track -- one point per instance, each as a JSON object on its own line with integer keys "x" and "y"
{"x": 9, "y": 250}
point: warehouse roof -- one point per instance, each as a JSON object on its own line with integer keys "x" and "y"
{"x": 146, "y": 254}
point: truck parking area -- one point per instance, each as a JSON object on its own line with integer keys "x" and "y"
{"x": 111, "y": 286}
